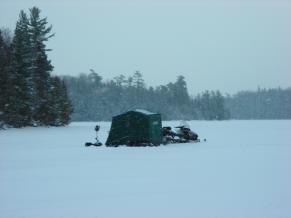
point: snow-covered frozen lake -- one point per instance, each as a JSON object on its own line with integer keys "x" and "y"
{"x": 242, "y": 171}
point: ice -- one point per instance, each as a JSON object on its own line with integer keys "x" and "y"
{"x": 241, "y": 171}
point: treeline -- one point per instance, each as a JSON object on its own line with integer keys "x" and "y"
{"x": 260, "y": 104}
{"x": 95, "y": 99}
{"x": 29, "y": 95}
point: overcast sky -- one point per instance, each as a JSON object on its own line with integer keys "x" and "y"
{"x": 228, "y": 45}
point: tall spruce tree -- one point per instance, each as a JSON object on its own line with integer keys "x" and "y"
{"x": 18, "y": 109}
{"x": 41, "y": 66}
{"x": 4, "y": 67}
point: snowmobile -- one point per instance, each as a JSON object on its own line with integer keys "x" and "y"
{"x": 182, "y": 135}
{"x": 169, "y": 136}
{"x": 185, "y": 134}
{"x": 97, "y": 143}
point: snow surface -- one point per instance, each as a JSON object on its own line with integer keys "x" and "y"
{"x": 242, "y": 171}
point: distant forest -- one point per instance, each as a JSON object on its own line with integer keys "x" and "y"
{"x": 260, "y": 104}
{"x": 98, "y": 100}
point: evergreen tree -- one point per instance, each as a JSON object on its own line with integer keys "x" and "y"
{"x": 28, "y": 93}
{"x": 136, "y": 93}
{"x": 60, "y": 105}
{"x": 120, "y": 80}
{"x": 5, "y": 57}
{"x": 219, "y": 109}
{"x": 210, "y": 106}
{"x": 180, "y": 91}
{"x": 138, "y": 81}
{"x": 18, "y": 110}
{"x": 94, "y": 78}
{"x": 41, "y": 66}
{"x": 204, "y": 106}
{"x": 66, "y": 105}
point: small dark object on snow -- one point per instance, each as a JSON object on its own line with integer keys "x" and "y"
{"x": 97, "y": 128}
{"x": 87, "y": 144}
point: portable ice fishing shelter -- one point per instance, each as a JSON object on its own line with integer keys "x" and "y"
{"x": 135, "y": 128}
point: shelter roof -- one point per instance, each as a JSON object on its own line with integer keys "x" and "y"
{"x": 144, "y": 111}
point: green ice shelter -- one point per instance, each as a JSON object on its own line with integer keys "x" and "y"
{"x": 135, "y": 128}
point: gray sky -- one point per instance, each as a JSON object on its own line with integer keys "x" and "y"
{"x": 228, "y": 45}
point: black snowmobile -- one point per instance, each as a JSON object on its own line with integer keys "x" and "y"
{"x": 183, "y": 135}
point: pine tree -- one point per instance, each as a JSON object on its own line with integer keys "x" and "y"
{"x": 28, "y": 93}
{"x": 180, "y": 91}
{"x": 67, "y": 107}
{"x": 222, "y": 113}
{"x": 60, "y": 105}
{"x": 138, "y": 81}
{"x": 18, "y": 110}
{"x": 5, "y": 57}
{"x": 41, "y": 66}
